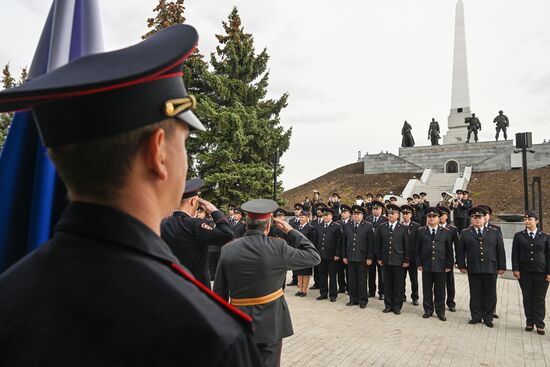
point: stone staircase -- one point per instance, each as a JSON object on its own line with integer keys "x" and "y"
{"x": 436, "y": 184}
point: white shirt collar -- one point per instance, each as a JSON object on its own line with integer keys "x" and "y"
{"x": 534, "y": 232}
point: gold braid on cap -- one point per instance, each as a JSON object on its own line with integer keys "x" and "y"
{"x": 174, "y": 107}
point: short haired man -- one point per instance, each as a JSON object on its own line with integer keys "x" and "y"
{"x": 106, "y": 290}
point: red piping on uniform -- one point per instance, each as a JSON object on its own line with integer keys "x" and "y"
{"x": 108, "y": 88}
{"x": 205, "y": 289}
{"x": 258, "y": 216}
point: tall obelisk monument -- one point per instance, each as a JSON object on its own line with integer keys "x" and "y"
{"x": 460, "y": 94}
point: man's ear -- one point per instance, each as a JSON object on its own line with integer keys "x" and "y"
{"x": 155, "y": 150}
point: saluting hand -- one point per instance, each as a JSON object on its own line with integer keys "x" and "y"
{"x": 208, "y": 206}
{"x": 282, "y": 225}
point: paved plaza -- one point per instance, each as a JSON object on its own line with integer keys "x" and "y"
{"x": 332, "y": 334}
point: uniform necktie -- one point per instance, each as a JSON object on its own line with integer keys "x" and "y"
{"x": 326, "y": 226}
{"x": 391, "y": 228}
{"x": 374, "y": 221}
{"x": 479, "y": 233}
{"x": 433, "y": 234}
{"x": 356, "y": 225}
{"x": 532, "y": 235}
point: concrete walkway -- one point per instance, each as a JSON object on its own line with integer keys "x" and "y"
{"x": 332, "y": 334}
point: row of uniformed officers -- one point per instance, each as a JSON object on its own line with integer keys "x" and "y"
{"x": 395, "y": 246}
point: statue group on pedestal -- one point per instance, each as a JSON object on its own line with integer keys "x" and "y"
{"x": 474, "y": 125}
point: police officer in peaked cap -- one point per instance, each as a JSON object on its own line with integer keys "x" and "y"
{"x": 106, "y": 290}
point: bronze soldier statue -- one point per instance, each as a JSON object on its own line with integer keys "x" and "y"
{"x": 474, "y": 125}
{"x": 433, "y": 132}
{"x": 408, "y": 140}
{"x": 502, "y": 124}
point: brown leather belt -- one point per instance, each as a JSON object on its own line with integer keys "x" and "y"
{"x": 257, "y": 300}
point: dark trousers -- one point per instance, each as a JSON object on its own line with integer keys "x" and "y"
{"x": 460, "y": 223}
{"x": 498, "y": 128}
{"x": 372, "y": 279}
{"x": 533, "y": 287}
{"x": 294, "y": 277}
{"x": 271, "y": 353}
{"x": 328, "y": 269}
{"x": 342, "y": 278}
{"x": 412, "y": 270}
{"x": 357, "y": 282}
{"x": 482, "y": 295}
{"x": 316, "y": 275}
{"x": 393, "y": 287}
{"x": 450, "y": 283}
{"x": 433, "y": 293}
{"x": 470, "y": 133}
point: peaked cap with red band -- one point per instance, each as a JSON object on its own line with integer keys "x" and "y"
{"x": 259, "y": 208}
{"x": 105, "y": 94}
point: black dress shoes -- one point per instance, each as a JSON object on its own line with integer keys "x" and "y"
{"x": 489, "y": 324}
{"x": 386, "y": 310}
{"x": 397, "y": 312}
{"x": 540, "y": 331}
{"x": 426, "y": 316}
{"x": 332, "y": 299}
{"x": 321, "y": 298}
{"x": 381, "y": 297}
{"x": 415, "y": 302}
{"x": 362, "y": 305}
{"x": 442, "y": 318}
{"x": 452, "y": 309}
{"x": 529, "y": 328}
{"x": 352, "y": 303}
{"x": 495, "y": 316}
{"x": 473, "y": 322}
{"x": 298, "y": 294}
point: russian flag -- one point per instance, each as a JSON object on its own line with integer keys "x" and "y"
{"x": 32, "y": 197}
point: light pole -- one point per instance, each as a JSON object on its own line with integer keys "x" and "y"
{"x": 524, "y": 141}
{"x": 275, "y": 161}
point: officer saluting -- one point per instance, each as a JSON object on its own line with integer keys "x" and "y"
{"x": 252, "y": 269}
{"x": 531, "y": 266}
{"x": 480, "y": 253}
{"x": 106, "y": 290}
{"x": 357, "y": 253}
{"x": 393, "y": 254}
{"x": 189, "y": 237}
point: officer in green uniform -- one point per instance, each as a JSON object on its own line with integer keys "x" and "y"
{"x": 252, "y": 269}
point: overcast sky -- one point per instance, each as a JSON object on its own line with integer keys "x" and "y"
{"x": 355, "y": 70}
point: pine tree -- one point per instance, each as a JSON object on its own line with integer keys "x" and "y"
{"x": 8, "y": 82}
{"x": 244, "y": 127}
{"x": 234, "y": 156}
